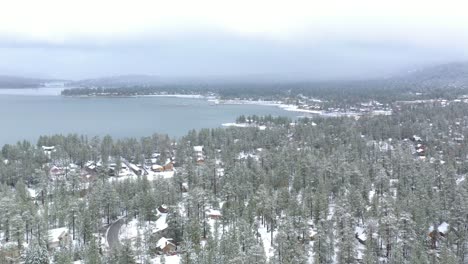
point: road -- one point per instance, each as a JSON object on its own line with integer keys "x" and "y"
{"x": 113, "y": 233}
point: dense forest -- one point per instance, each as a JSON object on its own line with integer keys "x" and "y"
{"x": 368, "y": 189}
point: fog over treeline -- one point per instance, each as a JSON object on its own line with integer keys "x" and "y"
{"x": 221, "y": 57}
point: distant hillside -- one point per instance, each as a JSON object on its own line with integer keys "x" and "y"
{"x": 20, "y": 82}
{"x": 451, "y": 75}
{"x": 120, "y": 81}
{"x": 145, "y": 81}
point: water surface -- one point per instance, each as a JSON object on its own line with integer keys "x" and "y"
{"x": 27, "y": 116}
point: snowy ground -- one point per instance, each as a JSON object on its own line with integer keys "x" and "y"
{"x": 132, "y": 228}
{"x": 266, "y": 240}
{"x": 151, "y": 176}
{"x": 168, "y": 260}
{"x": 295, "y": 108}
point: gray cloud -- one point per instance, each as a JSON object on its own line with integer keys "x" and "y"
{"x": 211, "y": 54}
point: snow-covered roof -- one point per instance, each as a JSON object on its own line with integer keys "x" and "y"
{"x": 161, "y": 223}
{"x": 198, "y": 148}
{"x": 163, "y": 242}
{"x": 360, "y": 233}
{"x": 32, "y": 192}
{"x": 48, "y": 148}
{"x": 442, "y": 228}
{"x": 214, "y": 212}
{"x": 312, "y": 232}
{"x": 460, "y": 179}
{"x": 134, "y": 167}
{"x": 220, "y": 172}
{"x": 57, "y": 233}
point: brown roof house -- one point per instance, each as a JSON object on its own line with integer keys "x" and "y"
{"x": 166, "y": 245}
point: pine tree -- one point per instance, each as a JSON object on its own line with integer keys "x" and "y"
{"x": 126, "y": 255}
{"x": 92, "y": 253}
{"x": 37, "y": 254}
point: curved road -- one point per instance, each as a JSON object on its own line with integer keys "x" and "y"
{"x": 113, "y": 233}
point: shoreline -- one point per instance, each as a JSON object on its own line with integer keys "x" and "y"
{"x": 216, "y": 101}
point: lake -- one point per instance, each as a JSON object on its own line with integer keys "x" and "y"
{"x": 27, "y": 114}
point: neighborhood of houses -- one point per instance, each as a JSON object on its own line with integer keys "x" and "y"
{"x": 154, "y": 167}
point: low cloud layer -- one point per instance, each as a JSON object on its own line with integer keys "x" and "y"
{"x": 297, "y": 39}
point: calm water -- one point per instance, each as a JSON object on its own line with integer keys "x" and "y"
{"x": 28, "y": 115}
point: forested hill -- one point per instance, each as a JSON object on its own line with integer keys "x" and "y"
{"x": 7, "y": 81}
{"x": 446, "y": 75}
{"x": 120, "y": 81}
{"x": 428, "y": 83}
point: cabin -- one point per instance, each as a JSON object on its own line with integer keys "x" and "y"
{"x": 157, "y": 168}
{"x": 90, "y": 167}
{"x": 58, "y": 237}
{"x": 198, "y": 150}
{"x": 48, "y": 150}
{"x": 312, "y": 234}
{"x": 56, "y": 171}
{"x": 136, "y": 169}
{"x": 166, "y": 245}
{"x": 169, "y": 166}
{"x": 436, "y": 233}
{"x": 420, "y": 151}
{"x": 163, "y": 209}
{"x": 360, "y": 234}
{"x": 184, "y": 187}
{"x": 214, "y": 214}
{"x": 198, "y": 153}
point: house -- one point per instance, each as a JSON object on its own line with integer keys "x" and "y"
{"x": 214, "y": 214}
{"x": 198, "y": 152}
{"x": 198, "y": 149}
{"x": 163, "y": 209}
{"x": 32, "y": 193}
{"x": 312, "y": 234}
{"x": 90, "y": 166}
{"x": 360, "y": 234}
{"x": 420, "y": 151}
{"x": 56, "y": 171}
{"x": 436, "y": 234}
{"x": 136, "y": 169}
{"x": 48, "y": 150}
{"x": 166, "y": 245}
{"x": 169, "y": 166}
{"x": 157, "y": 168}
{"x": 184, "y": 187}
{"x": 58, "y": 237}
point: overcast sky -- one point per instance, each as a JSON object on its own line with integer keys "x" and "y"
{"x": 312, "y": 39}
